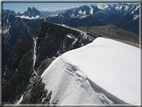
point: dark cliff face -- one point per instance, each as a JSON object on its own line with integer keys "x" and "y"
{"x": 53, "y": 40}
{"x": 13, "y": 27}
{"x": 49, "y": 40}
{"x": 16, "y": 72}
{"x": 32, "y": 12}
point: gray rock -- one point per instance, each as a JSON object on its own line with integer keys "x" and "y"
{"x": 44, "y": 65}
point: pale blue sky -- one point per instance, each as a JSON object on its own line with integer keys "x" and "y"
{"x": 21, "y": 7}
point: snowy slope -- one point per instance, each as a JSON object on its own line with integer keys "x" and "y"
{"x": 112, "y": 65}
{"x": 30, "y": 18}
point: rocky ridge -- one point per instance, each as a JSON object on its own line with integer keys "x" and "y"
{"x": 16, "y": 73}
{"x": 55, "y": 39}
{"x": 12, "y": 28}
{"x": 122, "y": 15}
{"x": 32, "y": 12}
{"x": 49, "y": 41}
{"x": 113, "y": 32}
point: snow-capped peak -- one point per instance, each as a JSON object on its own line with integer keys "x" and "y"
{"x": 119, "y": 7}
{"x": 80, "y": 12}
{"x": 102, "y": 6}
{"x": 135, "y": 9}
{"x": 91, "y": 10}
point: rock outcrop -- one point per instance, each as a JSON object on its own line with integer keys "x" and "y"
{"x": 32, "y": 12}
{"x": 44, "y": 65}
{"x": 12, "y": 28}
{"x": 113, "y": 32}
{"x": 55, "y": 39}
{"x": 31, "y": 56}
{"x": 17, "y": 72}
{"x": 36, "y": 93}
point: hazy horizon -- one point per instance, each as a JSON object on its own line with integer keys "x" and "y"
{"x": 49, "y": 6}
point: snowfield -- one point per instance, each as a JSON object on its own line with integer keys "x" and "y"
{"x": 103, "y": 72}
{"x": 27, "y": 17}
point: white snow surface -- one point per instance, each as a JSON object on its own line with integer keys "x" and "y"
{"x": 102, "y": 6}
{"x": 6, "y": 30}
{"x": 80, "y": 12}
{"x": 34, "y": 54}
{"x": 112, "y": 65}
{"x": 135, "y": 9}
{"x": 30, "y": 18}
{"x": 20, "y": 100}
{"x": 118, "y": 7}
{"x": 84, "y": 16}
{"x": 53, "y": 15}
{"x": 126, "y": 8}
{"x": 135, "y": 17}
{"x": 91, "y": 10}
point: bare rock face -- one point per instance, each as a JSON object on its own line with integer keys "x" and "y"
{"x": 50, "y": 41}
{"x": 32, "y": 12}
{"x": 113, "y": 32}
{"x": 18, "y": 70}
{"x": 36, "y": 93}
{"x": 14, "y": 87}
{"x": 44, "y": 65}
{"x": 54, "y": 40}
{"x": 13, "y": 28}
{"x": 23, "y": 44}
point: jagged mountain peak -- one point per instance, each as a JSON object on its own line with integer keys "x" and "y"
{"x": 9, "y": 11}
{"x": 34, "y": 8}
{"x": 29, "y": 8}
{"x": 115, "y": 7}
{"x": 32, "y": 11}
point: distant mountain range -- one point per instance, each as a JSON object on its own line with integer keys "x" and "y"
{"x": 31, "y": 41}
{"x": 46, "y": 13}
{"x": 31, "y": 56}
{"x": 122, "y": 15}
{"x": 115, "y": 8}
{"x": 31, "y": 12}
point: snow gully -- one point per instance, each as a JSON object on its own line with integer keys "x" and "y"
{"x": 34, "y": 56}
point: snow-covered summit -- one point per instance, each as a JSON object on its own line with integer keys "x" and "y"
{"x": 114, "y": 8}
{"x": 104, "y": 72}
